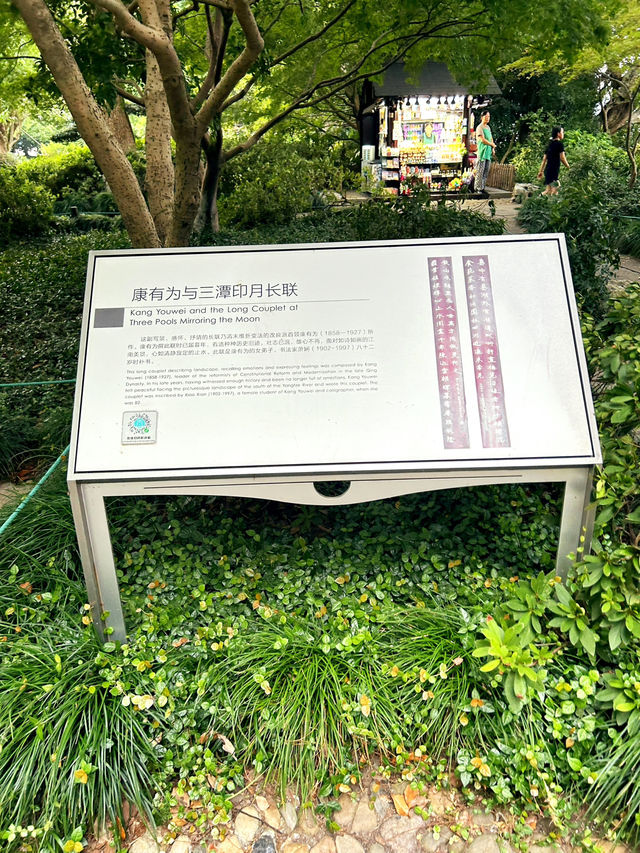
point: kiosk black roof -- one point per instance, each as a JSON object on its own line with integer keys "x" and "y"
{"x": 434, "y": 78}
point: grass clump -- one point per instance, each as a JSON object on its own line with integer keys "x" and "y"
{"x": 311, "y": 705}
{"x": 70, "y": 752}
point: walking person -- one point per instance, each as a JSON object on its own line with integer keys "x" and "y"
{"x": 553, "y": 156}
{"x": 486, "y": 147}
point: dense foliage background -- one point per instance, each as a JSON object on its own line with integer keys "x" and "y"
{"x": 430, "y": 630}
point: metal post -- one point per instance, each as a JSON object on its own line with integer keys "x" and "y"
{"x": 94, "y": 543}
{"x": 577, "y": 518}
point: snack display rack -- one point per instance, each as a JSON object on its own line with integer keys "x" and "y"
{"x": 422, "y": 142}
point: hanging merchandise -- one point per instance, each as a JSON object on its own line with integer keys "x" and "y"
{"x": 422, "y": 143}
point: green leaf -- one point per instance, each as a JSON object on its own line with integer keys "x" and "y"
{"x": 563, "y": 595}
{"x": 623, "y": 706}
{"x": 492, "y": 664}
{"x": 616, "y": 633}
{"x": 622, "y": 415}
{"x": 634, "y": 517}
{"x": 481, "y": 651}
{"x": 607, "y": 695}
{"x": 632, "y": 625}
{"x": 588, "y": 640}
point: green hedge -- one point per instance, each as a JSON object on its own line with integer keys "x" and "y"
{"x": 26, "y": 209}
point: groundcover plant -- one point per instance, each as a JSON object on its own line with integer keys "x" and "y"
{"x": 297, "y": 643}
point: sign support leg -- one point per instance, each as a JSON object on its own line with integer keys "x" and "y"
{"x": 94, "y": 542}
{"x": 577, "y": 518}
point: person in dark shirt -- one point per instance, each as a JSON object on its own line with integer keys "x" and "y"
{"x": 553, "y": 156}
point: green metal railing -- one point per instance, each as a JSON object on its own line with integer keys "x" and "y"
{"x": 23, "y": 503}
{"x": 43, "y": 382}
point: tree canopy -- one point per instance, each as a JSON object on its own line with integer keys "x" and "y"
{"x": 216, "y": 75}
{"x": 614, "y": 62}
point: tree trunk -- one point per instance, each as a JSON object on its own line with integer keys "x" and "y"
{"x": 512, "y": 142}
{"x": 631, "y": 146}
{"x": 616, "y": 115}
{"x": 120, "y": 126}
{"x": 92, "y": 123}
{"x": 208, "y": 217}
{"x": 9, "y": 135}
{"x": 159, "y": 180}
{"x": 187, "y": 189}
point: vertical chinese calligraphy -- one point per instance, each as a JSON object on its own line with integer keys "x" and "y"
{"x": 453, "y": 408}
{"x": 486, "y": 355}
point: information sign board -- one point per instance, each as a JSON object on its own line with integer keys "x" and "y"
{"x": 401, "y": 366}
{"x": 337, "y": 358}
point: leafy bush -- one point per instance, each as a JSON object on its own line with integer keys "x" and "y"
{"x": 613, "y": 347}
{"x": 206, "y": 596}
{"x": 401, "y": 218}
{"x": 528, "y": 155}
{"x": 599, "y": 148}
{"x": 629, "y": 240}
{"x": 68, "y": 170}
{"x": 275, "y": 181}
{"x": 72, "y": 753}
{"x": 582, "y": 211}
{"x": 25, "y": 208}
{"x": 41, "y": 298}
{"x": 72, "y": 176}
{"x": 617, "y": 794}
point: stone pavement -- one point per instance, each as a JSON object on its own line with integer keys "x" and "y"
{"x": 10, "y": 493}
{"x": 377, "y": 817}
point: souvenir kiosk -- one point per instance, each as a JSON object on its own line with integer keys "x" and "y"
{"x": 418, "y": 129}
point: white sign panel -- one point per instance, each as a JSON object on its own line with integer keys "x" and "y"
{"x": 336, "y": 358}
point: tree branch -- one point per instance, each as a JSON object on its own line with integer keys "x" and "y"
{"x": 337, "y": 84}
{"x": 254, "y": 45}
{"x": 313, "y": 37}
{"x": 128, "y": 96}
{"x": 266, "y": 30}
{"x": 246, "y": 89}
{"x": 219, "y": 4}
{"x": 218, "y": 38}
{"x": 144, "y": 35}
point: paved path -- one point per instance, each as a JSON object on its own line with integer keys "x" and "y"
{"x": 379, "y": 816}
{"x": 11, "y": 493}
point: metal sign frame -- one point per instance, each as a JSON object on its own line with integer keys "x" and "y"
{"x": 94, "y": 539}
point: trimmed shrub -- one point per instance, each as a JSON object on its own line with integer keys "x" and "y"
{"x": 400, "y": 219}
{"x": 41, "y": 297}
{"x": 72, "y": 176}
{"x": 275, "y": 181}
{"x": 26, "y": 209}
{"x": 71, "y": 171}
{"x": 584, "y": 211}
